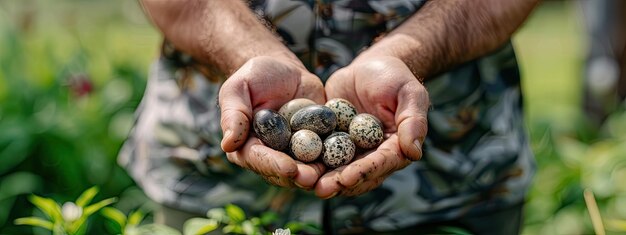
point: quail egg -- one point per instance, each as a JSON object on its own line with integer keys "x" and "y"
{"x": 317, "y": 118}
{"x": 306, "y": 146}
{"x": 338, "y": 150}
{"x": 291, "y": 107}
{"x": 366, "y": 131}
{"x": 344, "y": 110}
{"x": 272, "y": 129}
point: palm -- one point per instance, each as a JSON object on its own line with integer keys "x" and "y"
{"x": 265, "y": 82}
{"x": 386, "y": 88}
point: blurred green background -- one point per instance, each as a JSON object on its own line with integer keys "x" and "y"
{"x": 72, "y": 73}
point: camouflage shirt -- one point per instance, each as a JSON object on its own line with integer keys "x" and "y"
{"x": 476, "y": 156}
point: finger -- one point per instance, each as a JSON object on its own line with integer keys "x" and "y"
{"x": 363, "y": 188}
{"x": 411, "y": 119}
{"x": 263, "y": 160}
{"x": 311, "y": 88}
{"x": 339, "y": 85}
{"x": 378, "y": 164}
{"x": 236, "y": 113}
{"x": 308, "y": 174}
{"x": 328, "y": 185}
{"x": 278, "y": 181}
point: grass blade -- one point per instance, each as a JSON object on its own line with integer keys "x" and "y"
{"x": 594, "y": 212}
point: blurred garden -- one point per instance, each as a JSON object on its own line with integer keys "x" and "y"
{"x": 72, "y": 73}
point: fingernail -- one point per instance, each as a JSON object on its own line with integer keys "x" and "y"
{"x": 418, "y": 146}
{"x": 331, "y": 196}
{"x": 299, "y": 186}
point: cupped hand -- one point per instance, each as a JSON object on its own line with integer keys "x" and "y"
{"x": 266, "y": 82}
{"x": 386, "y": 88}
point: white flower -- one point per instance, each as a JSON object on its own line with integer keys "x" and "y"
{"x": 281, "y": 231}
{"x": 71, "y": 211}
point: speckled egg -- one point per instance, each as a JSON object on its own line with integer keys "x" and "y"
{"x": 338, "y": 150}
{"x": 293, "y": 106}
{"x": 366, "y": 131}
{"x": 272, "y": 129}
{"x": 317, "y": 118}
{"x": 344, "y": 110}
{"x": 306, "y": 146}
{"x": 336, "y": 133}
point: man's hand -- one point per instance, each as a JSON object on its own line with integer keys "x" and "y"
{"x": 266, "y": 82}
{"x": 386, "y": 88}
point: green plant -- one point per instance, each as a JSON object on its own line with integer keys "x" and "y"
{"x": 131, "y": 224}
{"x": 233, "y": 220}
{"x": 71, "y": 218}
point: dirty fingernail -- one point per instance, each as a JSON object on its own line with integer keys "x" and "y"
{"x": 331, "y": 196}
{"x": 299, "y": 186}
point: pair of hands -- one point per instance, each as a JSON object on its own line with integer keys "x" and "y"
{"x": 383, "y": 86}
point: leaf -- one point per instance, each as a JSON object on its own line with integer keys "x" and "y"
{"x": 268, "y": 218}
{"x": 248, "y": 227}
{"x": 36, "y": 222}
{"x": 7, "y": 205}
{"x": 232, "y": 228}
{"x": 151, "y": 229}
{"x": 18, "y": 183}
{"x": 255, "y": 221}
{"x": 17, "y": 148}
{"x": 135, "y": 218}
{"x": 294, "y": 226}
{"x": 97, "y": 206}
{"x": 309, "y": 228}
{"x": 455, "y": 230}
{"x": 235, "y": 213}
{"x": 48, "y": 207}
{"x": 86, "y": 197}
{"x": 115, "y": 215}
{"x": 218, "y": 214}
{"x": 196, "y": 226}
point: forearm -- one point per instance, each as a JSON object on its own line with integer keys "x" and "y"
{"x": 445, "y": 33}
{"x": 224, "y": 33}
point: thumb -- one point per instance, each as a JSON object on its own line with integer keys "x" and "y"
{"x": 236, "y": 113}
{"x": 411, "y": 119}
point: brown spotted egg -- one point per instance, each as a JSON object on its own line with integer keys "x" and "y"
{"x": 366, "y": 131}
{"x": 291, "y": 107}
{"x": 338, "y": 150}
{"x": 306, "y": 146}
{"x": 344, "y": 110}
{"x": 272, "y": 129}
{"x": 317, "y": 118}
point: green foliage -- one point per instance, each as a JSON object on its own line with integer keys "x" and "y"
{"x": 572, "y": 154}
{"x": 51, "y": 132}
{"x": 71, "y": 218}
{"x": 132, "y": 224}
{"x": 233, "y": 220}
{"x": 198, "y": 226}
{"x": 68, "y": 91}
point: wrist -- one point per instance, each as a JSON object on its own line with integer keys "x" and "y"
{"x": 230, "y": 58}
{"x": 402, "y": 47}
